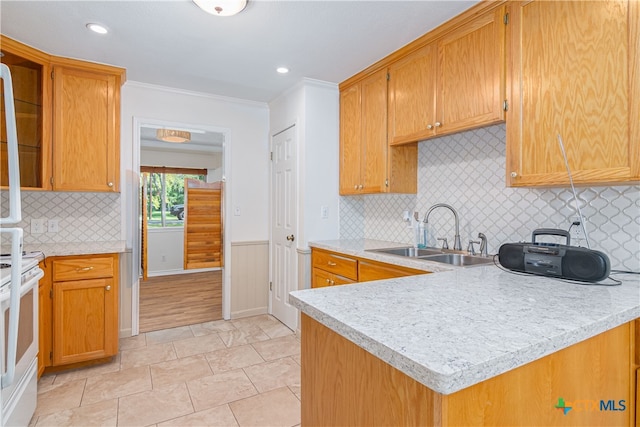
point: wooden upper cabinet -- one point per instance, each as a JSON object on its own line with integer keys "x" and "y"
{"x": 30, "y": 72}
{"x": 412, "y": 96}
{"x": 574, "y": 71}
{"x": 86, "y": 126}
{"x": 471, "y": 74}
{"x": 363, "y": 136}
{"x": 350, "y": 136}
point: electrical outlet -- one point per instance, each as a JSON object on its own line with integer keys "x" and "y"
{"x": 53, "y": 226}
{"x": 577, "y": 232}
{"x": 38, "y": 226}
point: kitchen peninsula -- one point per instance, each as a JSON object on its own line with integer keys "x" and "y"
{"x": 469, "y": 346}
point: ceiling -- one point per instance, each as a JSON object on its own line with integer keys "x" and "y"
{"x": 175, "y": 44}
{"x": 201, "y": 141}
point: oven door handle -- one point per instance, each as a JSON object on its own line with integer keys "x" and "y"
{"x": 14, "y": 305}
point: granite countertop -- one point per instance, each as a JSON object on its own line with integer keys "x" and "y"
{"x": 456, "y": 328}
{"x": 76, "y": 248}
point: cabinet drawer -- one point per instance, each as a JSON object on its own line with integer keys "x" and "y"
{"x": 323, "y": 278}
{"x": 83, "y": 268}
{"x": 370, "y": 270}
{"x": 336, "y": 264}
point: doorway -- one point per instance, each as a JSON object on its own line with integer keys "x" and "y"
{"x": 170, "y": 280}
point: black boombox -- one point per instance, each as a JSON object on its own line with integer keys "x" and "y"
{"x": 551, "y": 259}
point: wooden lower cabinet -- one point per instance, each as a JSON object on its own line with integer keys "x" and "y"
{"x": 79, "y": 317}
{"x": 343, "y": 384}
{"x": 333, "y": 268}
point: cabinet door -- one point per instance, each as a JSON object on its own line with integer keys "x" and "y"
{"x": 350, "y": 140}
{"x": 85, "y": 320}
{"x": 323, "y": 279}
{"x": 45, "y": 330}
{"x": 574, "y": 72}
{"x": 373, "y": 166}
{"x": 471, "y": 68}
{"x": 85, "y": 137}
{"x": 412, "y": 96}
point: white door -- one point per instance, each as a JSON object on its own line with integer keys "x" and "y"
{"x": 284, "y": 269}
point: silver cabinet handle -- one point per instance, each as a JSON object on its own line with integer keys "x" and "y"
{"x": 429, "y": 126}
{"x": 108, "y": 287}
{"x": 514, "y": 174}
{"x": 438, "y": 124}
{"x": 110, "y": 184}
{"x": 331, "y": 264}
{"x": 84, "y": 269}
{"x": 360, "y": 187}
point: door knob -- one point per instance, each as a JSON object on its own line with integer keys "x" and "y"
{"x": 291, "y": 238}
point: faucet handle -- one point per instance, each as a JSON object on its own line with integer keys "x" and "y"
{"x": 470, "y": 248}
{"x": 445, "y": 245}
{"x": 483, "y": 244}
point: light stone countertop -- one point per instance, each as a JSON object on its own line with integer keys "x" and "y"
{"x": 77, "y": 248}
{"x": 456, "y": 328}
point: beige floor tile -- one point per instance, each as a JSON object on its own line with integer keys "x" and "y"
{"x": 117, "y": 384}
{"x": 99, "y": 414}
{"x": 295, "y": 389}
{"x": 263, "y": 320}
{"x": 179, "y": 370}
{"x": 198, "y": 345}
{"x": 211, "y": 327}
{"x": 271, "y": 375}
{"x": 154, "y": 406}
{"x": 297, "y": 359}
{"x": 277, "y": 407}
{"x": 276, "y": 329}
{"x": 55, "y": 398}
{"x": 46, "y": 380}
{"x": 90, "y": 371}
{"x": 220, "y": 416}
{"x": 147, "y": 355}
{"x": 168, "y": 335}
{"x": 219, "y": 389}
{"x": 233, "y": 358}
{"x": 133, "y": 342}
{"x": 278, "y": 348}
{"x": 243, "y": 336}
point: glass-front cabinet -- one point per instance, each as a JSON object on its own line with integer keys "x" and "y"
{"x": 31, "y": 90}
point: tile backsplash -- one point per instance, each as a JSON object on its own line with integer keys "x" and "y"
{"x": 467, "y": 171}
{"x": 82, "y": 217}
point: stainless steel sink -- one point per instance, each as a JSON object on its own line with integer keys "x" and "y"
{"x": 408, "y": 251}
{"x": 459, "y": 260}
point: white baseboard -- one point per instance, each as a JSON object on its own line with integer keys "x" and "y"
{"x": 249, "y": 313}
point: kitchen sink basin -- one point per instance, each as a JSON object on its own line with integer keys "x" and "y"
{"x": 408, "y": 251}
{"x": 459, "y": 260}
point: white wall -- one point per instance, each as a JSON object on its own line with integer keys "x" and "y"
{"x": 177, "y": 159}
{"x": 313, "y": 106}
{"x": 165, "y": 254}
{"x": 245, "y": 124}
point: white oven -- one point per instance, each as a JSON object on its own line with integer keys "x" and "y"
{"x": 19, "y": 379}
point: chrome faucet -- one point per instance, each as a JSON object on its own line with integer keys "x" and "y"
{"x": 457, "y": 244}
{"x": 483, "y": 244}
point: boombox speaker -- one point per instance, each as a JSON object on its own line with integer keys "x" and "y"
{"x": 550, "y": 259}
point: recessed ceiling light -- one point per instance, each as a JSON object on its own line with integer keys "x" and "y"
{"x": 282, "y": 70}
{"x": 97, "y": 28}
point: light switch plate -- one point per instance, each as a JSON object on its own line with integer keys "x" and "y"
{"x": 38, "y": 226}
{"x": 53, "y": 226}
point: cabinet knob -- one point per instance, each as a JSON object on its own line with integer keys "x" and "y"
{"x": 355, "y": 187}
{"x": 429, "y": 126}
{"x": 514, "y": 174}
{"x": 438, "y": 124}
{"x": 110, "y": 184}
{"x": 328, "y": 281}
{"x": 333, "y": 283}
{"x": 108, "y": 287}
{"x": 360, "y": 187}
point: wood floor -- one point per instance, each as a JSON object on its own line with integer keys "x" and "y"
{"x": 180, "y": 300}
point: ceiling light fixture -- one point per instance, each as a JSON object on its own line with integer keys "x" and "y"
{"x": 172, "y": 135}
{"x": 282, "y": 70}
{"x": 221, "y": 7}
{"x": 97, "y": 28}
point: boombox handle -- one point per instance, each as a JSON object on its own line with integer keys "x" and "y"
{"x": 550, "y": 232}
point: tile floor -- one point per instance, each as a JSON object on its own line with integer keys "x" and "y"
{"x": 243, "y": 372}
